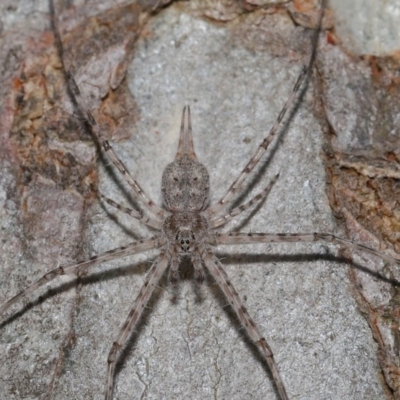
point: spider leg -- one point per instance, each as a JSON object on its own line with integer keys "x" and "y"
{"x": 154, "y": 275}
{"x": 133, "y": 248}
{"x": 80, "y": 104}
{"x": 217, "y": 271}
{"x": 275, "y": 132}
{"x": 216, "y": 222}
{"x": 248, "y": 238}
{"x": 152, "y": 222}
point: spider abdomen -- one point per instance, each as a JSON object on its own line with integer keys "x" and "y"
{"x": 185, "y": 186}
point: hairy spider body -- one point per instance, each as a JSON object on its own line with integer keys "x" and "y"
{"x": 185, "y": 189}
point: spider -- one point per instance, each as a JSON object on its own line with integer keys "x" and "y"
{"x": 194, "y": 234}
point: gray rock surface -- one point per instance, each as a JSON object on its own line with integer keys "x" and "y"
{"x": 190, "y": 347}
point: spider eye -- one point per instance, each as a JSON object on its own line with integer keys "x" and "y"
{"x": 195, "y": 178}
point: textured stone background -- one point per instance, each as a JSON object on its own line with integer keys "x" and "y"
{"x": 235, "y": 69}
